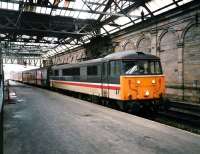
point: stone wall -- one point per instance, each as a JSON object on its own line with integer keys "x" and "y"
{"x": 177, "y": 42}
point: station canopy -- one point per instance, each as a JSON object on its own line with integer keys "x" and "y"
{"x": 49, "y": 27}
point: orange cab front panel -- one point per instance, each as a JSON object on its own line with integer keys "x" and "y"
{"x": 147, "y": 87}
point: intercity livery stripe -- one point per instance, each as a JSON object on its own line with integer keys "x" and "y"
{"x": 89, "y": 85}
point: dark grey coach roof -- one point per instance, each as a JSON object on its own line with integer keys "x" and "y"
{"x": 131, "y": 54}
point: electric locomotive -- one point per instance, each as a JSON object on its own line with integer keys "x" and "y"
{"x": 127, "y": 79}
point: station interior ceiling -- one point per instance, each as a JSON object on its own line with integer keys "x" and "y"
{"x": 45, "y": 28}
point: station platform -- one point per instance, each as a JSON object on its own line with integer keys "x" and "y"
{"x": 38, "y": 121}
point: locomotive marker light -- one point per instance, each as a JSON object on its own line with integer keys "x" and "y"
{"x": 138, "y": 81}
{"x": 153, "y": 81}
{"x": 146, "y": 93}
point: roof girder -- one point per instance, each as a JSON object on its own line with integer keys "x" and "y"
{"x": 66, "y": 27}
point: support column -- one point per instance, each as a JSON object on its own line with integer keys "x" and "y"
{"x": 154, "y": 34}
{"x": 1, "y": 60}
{"x": 180, "y": 67}
{"x": 180, "y": 62}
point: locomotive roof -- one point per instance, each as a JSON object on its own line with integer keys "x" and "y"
{"x": 131, "y": 54}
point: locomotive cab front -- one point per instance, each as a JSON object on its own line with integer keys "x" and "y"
{"x": 141, "y": 80}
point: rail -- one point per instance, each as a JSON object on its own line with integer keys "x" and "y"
{"x": 1, "y": 96}
{"x": 182, "y": 115}
{"x": 1, "y": 115}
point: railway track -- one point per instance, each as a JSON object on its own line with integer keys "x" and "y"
{"x": 181, "y": 115}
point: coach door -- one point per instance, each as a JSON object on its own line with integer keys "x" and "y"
{"x": 104, "y": 80}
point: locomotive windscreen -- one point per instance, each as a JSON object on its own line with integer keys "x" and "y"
{"x": 141, "y": 67}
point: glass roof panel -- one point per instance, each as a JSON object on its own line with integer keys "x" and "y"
{"x": 78, "y": 4}
{"x": 71, "y": 4}
{"x": 85, "y": 15}
{"x": 155, "y": 4}
{"x": 10, "y": 6}
{"x": 108, "y": 27}
{"x": 3, "y": 5}
{"x": 76, "y": 14}
{"x": 165, "y": 9}
{"x": 62, "y": 13}
{"x": 93, "y": 9}
{"x": 67, "y": 13}
{"x": 122, "y": 20}
{"x": 38, "y": 8}
{"x": 138, "y": 11}
{"x": 71, "y": 14}
{"x": 43, "y": 10}
{"x": 184, "y": 2}
{"x": 16, "y": 7}
{"x": 102, "y": 31}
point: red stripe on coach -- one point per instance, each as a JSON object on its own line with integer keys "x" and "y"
{"x": 88, "y": 85}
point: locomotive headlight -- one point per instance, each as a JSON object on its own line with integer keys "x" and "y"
{"x": 153, "y": 81}
{"x": 138, "y": 81}
{"x": 146, "y": 93}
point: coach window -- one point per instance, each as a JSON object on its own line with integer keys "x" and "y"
{"x": 55, "y": 72}
{"x": 66, "y": 72}
{"x": 92, "y": 70}
{"x": 76, "y": 71}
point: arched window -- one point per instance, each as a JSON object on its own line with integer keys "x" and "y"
{"x": 169, "y": 56}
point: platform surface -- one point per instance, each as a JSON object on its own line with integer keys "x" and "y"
{"x": 45, "y": 122}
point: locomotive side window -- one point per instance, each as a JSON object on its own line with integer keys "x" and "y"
{"x": 92, "y": 70}
{"x": 115, "y": 68}
{"x": 155, "y": 67}
{"x": 104, "y": 69}
{"x": 158, "y": 67}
